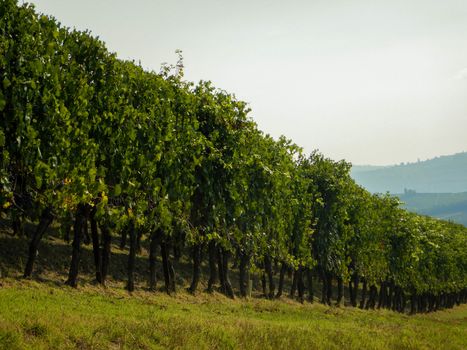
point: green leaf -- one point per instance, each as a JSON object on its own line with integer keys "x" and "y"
{"x": 6, "y": 83}
{"x": 92, "y": 174}
{"x": 2, "y": 102}
{"x": 100, "y": 209}
{"x": 38, "y": 178}
{"x": 117, "y": 190}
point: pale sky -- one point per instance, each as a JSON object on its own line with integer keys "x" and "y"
{"x": 372, "y": 82}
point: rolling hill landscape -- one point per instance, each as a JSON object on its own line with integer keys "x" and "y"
{"x": 435, "y": 187}
{"x": 140, "y": 210}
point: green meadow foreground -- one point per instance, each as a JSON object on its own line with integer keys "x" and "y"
{"x": 44, "y": 313}
{"x": 39, "y": 315}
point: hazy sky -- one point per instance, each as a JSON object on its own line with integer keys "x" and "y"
{"x": 374, "y": 82}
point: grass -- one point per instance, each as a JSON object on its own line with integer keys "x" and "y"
{"x": 42, "y": 313}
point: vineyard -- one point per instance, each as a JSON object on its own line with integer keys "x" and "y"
{"x": 112, "y": 154}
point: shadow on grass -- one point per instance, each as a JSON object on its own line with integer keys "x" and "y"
{"x": 54, "y": 256}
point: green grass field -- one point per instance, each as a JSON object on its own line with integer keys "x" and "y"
{"x": 43, "y": 313}
{"x": 39, "y": 315}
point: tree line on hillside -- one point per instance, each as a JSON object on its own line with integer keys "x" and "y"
{"x": 98, "y": 144}
{"x": 445, "y": 174}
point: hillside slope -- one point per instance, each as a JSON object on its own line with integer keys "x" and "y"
{"x": 43, "y": 313}
{"x": 445, "y": 174}
{"x": 447, "y": 206}
{"x": 43, "y": 316}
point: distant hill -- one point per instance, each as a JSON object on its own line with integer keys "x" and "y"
{"x": 445, "y": 174}
{"x": 447, "y": 206}
{"x": 435, "y": 187}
